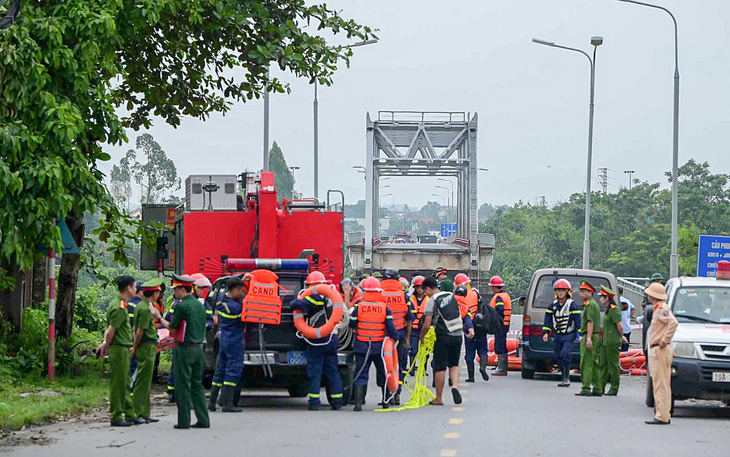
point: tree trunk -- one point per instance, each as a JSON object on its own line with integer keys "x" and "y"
{"x": 68, "y": 279}
{"x": 39, "y": 281}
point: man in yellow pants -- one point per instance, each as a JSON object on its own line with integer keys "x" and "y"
{"x": 661, "y": 331}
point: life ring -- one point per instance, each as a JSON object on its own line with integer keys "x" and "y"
{"x": 390, "y": 356}
{"x": 337, "y": 310}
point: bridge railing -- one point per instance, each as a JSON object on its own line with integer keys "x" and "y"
{"x": 633, "y": 289}
{"x": 421, "y": 117}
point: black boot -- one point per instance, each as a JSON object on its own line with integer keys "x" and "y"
{"x": 483, "y": 367}
{"x": 501, "y": 365}
{"x": 227, "y": 400}
{"x": 171, "y": 396}
{"x": 359, "y": 394}
{"x": 566, "y": 377}
{"x": 470, "y": 372}
{"x": 214, "y": 391}
{"x": 364, "y": 394}
{"x": 396, "y": 399}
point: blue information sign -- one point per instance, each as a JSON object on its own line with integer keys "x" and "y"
{"x": 712, "y": 248}
{"x": 448, "y": 230}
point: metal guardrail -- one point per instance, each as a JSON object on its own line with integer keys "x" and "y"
{"x": 633, "y": 290}
{"x": 421, "y": 117}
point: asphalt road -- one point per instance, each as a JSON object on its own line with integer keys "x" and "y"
{"x": 504, "y": 417}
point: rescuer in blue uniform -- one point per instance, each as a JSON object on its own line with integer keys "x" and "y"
{"x": 131, "y": 307}
{"x": 397, "y": 301}
{"x": 321, "y": 352}
{"x": 418, "y": 306}
{"x": 372, "y": 321}
{"x": 562, "y": 318}
{"x": 230, "y": 349}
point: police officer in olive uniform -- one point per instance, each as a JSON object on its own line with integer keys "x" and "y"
{"x": 613, "y": 336}
{"x": 131, "y": 308}
{"x": 590, "y": 343}
{"x": 117, "y": 341}
{"x": 189, "y": 358}
{"x": 145, "y": 348}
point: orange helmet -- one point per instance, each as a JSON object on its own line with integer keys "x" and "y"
{"x": 496, "y": 281}
{"x": 418, "y": 281}
{"x": 315, "y": 277}
{"x": 371, "y": 284}
{"x": 561, "y": 284}
{"x": 461, "y": 279}
{"x": 404, "y": 282}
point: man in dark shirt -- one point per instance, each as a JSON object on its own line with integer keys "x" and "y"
{"x": 189, "y": 319}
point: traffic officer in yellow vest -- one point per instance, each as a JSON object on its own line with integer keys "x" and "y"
{"x": 189, "y": 359}
{"x": 418, "y": 305}
{"x": 397, "y": 301}
{"x": 590, "y": 342}
{"x": 502, "y": 303}
{"x": 659, "y": 340}
{"x": 613, "y": 336}
{"x": 145, "y": 348}
{"x": 372, "y": 321}
{"x": 117, "y": 341}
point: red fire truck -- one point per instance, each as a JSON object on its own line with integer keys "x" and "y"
{"x": 231, "y": 225}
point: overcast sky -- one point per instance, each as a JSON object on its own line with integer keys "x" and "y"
{"x": 532, "y": 100}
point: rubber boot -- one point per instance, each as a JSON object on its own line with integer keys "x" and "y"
{"x": 396, "y": 399}
{"x": 236, "y": 395}
{"x": 566, "y": 377}
{"x": 501, "y": 365}
{"x": 359, "y": 395}
{"x": 364, "y": 394}
{"x": 470, "y": 372}
{"x": 483, "y": 368}
{"x": 214, "y": 391}
{"x": 227, "y": 400}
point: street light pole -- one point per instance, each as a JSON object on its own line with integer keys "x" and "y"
{"x": 674, "y": 256}
{"x": 630, "y": 173}
{"x": 315, "y": 105}
{"x": 595, "y": 41}
{"x": 450, "y": 199}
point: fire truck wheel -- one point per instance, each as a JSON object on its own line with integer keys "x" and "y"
{"x": 299, "y": 390}
{"x": 346, "y": 373}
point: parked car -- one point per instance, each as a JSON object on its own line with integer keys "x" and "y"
{"x": 701, "y": 343}
{"x": 538, "y": 355}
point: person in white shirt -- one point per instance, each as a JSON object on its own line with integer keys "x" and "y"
{"x": 627, "y": 312}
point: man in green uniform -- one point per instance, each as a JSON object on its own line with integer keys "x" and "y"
{"x": 189, "y": 358}
{"x": 117, "y": 341}
{"x": 613, "y": 336}
{"x": 445, "y": 283}
{"x": 590, "y": 343}
{"x": 145, "y": 348}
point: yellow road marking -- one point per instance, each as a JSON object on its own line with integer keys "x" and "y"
{"x": 456, "y": 421}
{"x": 448, "y": 453}
{"x": 451, "y": 435}
{"x": 457, "y": 408}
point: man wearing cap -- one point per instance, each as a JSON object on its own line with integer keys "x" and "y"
{"x": 610, "y": 343}
{"x": 662, "y": 329}
{"x": 189, "y": 358}
{"x": 445, "y": 284}
{"x": 145, "y": 349}
{"x": 590, "y": 343}
{"x": 656, "y": 278}
{"x": 117, "y": 341}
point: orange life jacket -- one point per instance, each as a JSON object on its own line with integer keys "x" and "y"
{"x": 395, "y": 299}
{"x": 371, "y": 317}
{"x": 418, "y": 310}
{"x": 161, "y": 308}
{"x": 262, "y": 303}
{"x": 507, "y": 302}
{"x": 463, "y": 305}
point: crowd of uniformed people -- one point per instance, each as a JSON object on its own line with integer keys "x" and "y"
{"x": 379, "y": 306}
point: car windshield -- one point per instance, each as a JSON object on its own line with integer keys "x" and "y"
{"x": 544, "y": 293}
{"x": 702, "y": 304}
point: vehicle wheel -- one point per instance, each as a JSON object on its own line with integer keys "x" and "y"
{"x": 299, "y": 390}
{"x": 649, "y": 400}
{"x": 527, "y": 373}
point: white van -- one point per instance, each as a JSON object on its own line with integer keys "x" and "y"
{"x": 701, "y": 344}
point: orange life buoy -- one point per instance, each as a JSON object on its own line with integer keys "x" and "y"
{"x": 637, "y": 372}
{"x": 337, "y": 310}
{"x": 390, "y": 356}
{"x": 637, "y": 361}
{"x": 631, "y": 353}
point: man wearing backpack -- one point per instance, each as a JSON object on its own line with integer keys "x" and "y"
{"x": 442, "y": 311}
{"x": 478, "y": 344}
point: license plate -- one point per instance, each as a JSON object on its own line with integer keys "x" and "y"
{"x": 299, "y": 357}
{"x": 720, "y": 377}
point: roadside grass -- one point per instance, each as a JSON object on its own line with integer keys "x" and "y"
{"x": 74, "y": 394}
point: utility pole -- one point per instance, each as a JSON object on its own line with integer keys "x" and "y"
{"x": 604, "y": 179}
{"x": 630, "y": 173}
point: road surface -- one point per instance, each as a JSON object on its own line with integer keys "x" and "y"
{"x": 503, "y": 417}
